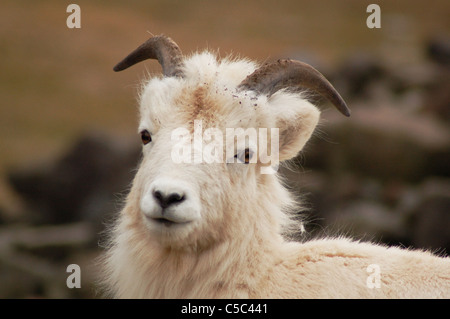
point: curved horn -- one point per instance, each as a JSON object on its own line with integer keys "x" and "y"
{"x": 272, "y": 77}
{"x": 162, "y": 48}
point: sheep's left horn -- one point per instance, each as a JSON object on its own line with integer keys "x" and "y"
{"x": 275, "y": 76}
{"x": 162, "y": 48}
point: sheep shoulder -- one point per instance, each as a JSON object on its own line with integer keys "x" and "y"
{"x": 341, "y": 268}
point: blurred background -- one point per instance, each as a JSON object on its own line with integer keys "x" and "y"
{"x": 68, "y": 138}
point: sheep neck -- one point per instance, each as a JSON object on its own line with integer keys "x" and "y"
{"x": 175, "y": 273}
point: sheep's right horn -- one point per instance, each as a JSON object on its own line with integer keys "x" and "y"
{"x": 275, "y": 76}
{"x": 162, "y": 48}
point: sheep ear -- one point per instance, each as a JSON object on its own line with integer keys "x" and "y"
{"x": 296, "y": 121}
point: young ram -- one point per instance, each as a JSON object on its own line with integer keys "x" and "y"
{"x": 216, "y": 229}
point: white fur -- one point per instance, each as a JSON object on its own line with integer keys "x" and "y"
{"x": 230, "y": 244}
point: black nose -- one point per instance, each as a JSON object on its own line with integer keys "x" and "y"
{"x": 166, "y": 200}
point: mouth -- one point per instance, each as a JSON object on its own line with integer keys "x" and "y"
{"x": 166, "y": 222}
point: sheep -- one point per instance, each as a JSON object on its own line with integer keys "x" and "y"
{"x": 221, "y": 229}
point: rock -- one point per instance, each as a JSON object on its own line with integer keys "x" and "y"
{"x": 356, "y": 74}
{"x": 350, "y": 206}
{"x": 17, "y": 284}
{"x": 431, "y": 217}
{"x": 437, "y": 98}
{"x": 413, "y": 77}
{"x": 368, "y": 220}
{"x": 82, "y": 185}
{"x": 381, "y": 142}
{"x": 438, "y": 50}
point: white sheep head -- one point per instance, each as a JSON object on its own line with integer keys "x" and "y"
{"x": 195, "y": 203}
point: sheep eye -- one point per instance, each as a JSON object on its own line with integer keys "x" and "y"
{"x": 146, "y": 137}
{"x": 245, "y": 156}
